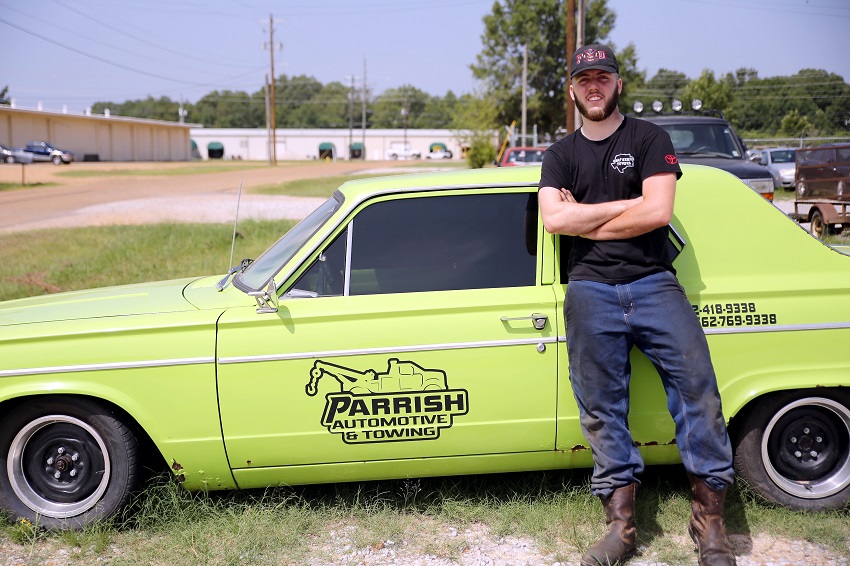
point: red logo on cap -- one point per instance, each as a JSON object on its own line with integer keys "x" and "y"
{"x": 590, "y": 55}
{"x": 671, "y": 159}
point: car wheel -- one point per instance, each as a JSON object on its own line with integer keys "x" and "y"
{"x": 819, "y": 228}
{"x": 10, "y": 159}
{"x": 65, "y": 463}
{"x": 57, "y": 160}
{"x": 794, "y": 449}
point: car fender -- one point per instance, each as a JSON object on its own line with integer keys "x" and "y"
{"x": 748, "y": 387}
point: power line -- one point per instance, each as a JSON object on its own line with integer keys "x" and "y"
{"x": 101, "y": 59}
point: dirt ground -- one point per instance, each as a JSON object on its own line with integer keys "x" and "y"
{"x": 56, "y": 201}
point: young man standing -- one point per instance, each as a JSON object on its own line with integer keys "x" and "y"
{"x": 611, "y": 186}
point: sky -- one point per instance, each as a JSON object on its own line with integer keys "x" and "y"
{"x": 66, "y": 55}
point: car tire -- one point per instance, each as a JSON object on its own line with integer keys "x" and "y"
{"x": 57, "y": 160}
{"x": 65, "y": 463}
{"x": 794, "y": 449}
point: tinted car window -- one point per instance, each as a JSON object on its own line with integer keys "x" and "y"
{"x": 441, "y": 243}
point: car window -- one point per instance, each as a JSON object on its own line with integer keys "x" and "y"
{"x": 783, "y": 156}
{"x": 267, "y": 265}
{"x": 326, "y": 276}
{"x": 441, "y": 243}
{"x": 707, "y": 139}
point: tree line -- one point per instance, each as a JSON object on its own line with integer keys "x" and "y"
{"x": 812, "y": 102}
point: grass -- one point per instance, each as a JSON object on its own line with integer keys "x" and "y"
{"x": 440, "y": 516}
{"x": 325, "y": 186}
{"x": 288, "y": 525}
{"x": 51, "y": 261}
{"x": 319, "y": 187}
{"x": 193, "y": 169}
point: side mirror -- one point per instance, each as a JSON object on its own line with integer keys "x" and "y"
{"x": 267, "y": 301}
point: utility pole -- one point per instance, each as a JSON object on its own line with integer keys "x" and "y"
{"x": 575, "y": 39}
{"x": 268, "y": 119}
{"x": 272, "y": 103}
{"x": 350, "y": 117}
{"x": 363, "y": 112}
{"x": 571, "y": 47}
{"x": 524, "y": 90}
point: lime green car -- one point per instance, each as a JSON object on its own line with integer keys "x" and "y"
{"x": 412, "y": 326}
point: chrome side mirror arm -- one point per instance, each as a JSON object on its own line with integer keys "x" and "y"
{"x": 267, "y": 301}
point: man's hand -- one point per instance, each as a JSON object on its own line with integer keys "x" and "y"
{"x": 562, "y": 214}
{"x": 654, "y": 210}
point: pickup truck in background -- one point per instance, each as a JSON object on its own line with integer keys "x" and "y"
{"x": 43, "y": 151}
{"x": 402, "y": 150}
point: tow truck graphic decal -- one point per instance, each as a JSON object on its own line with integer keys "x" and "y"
{"x": 407, "y": 402}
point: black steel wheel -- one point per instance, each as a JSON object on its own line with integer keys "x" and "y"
{"x": 794, "y": 449}
{"x": 65, "y": 463}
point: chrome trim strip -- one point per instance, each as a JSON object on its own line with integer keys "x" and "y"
{"x": 774, "y": 328}
{"x": 386, "y": 350}
{"x": 102, "y": 367}
{"x": 779, "y": 328}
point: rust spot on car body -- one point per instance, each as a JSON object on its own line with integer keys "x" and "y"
{"x": 175, "y": 465}
{"x": 578, "y": 447}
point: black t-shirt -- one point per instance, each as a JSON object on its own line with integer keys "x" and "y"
{"x": 609, "y": 170}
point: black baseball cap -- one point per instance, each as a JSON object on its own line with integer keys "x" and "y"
{"x": 594, "y": 56}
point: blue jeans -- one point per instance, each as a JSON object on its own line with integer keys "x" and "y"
{"x": 603, "y": 323}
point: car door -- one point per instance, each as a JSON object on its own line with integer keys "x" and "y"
{"x": 421, "y": 331}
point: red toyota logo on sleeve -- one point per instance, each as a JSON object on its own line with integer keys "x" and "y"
{"x": 671, "y": 159}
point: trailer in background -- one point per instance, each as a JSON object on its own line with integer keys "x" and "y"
{"x": 823, "y": 188}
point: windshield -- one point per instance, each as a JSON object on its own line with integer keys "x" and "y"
{"x": 783, "y": 156}
{"x": 258, "y": 274}
{"x": 706, "y": 140}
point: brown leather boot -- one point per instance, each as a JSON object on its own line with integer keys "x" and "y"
{"x": 706, "y": 526}
{"x": 618, "y": 543}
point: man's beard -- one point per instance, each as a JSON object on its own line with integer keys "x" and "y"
{"x": 599, "y": 114}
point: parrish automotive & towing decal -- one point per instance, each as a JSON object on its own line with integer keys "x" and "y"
{"x": 405, "y": 403}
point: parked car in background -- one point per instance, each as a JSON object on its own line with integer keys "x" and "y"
{"x": 782, "y": 164}
{"x": 412, "y": 326}
{"x": 44, "y": 151}
{"x": 710, "y": 140}
{"x": 514, "y": 156}
{"x": 439, "y": 154}
{"x": 6, "y": 155}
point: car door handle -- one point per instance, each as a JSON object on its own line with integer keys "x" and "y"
{"x": 539, "y": 320}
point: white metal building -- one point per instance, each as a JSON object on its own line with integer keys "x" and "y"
{"x": 299, "y": 144}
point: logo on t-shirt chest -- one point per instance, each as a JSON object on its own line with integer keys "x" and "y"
{"x": 623, "y": 161}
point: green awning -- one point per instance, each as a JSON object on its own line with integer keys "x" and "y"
{"x": 194, "y": 144}
{"x": 326, "y": 146}
{"x": 356, "y": 145}
{"x": 437, "y": 146}
{"x": 215, "y": 145}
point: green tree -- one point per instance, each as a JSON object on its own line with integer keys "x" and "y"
{"x": 229, "y": 109}
{"x": 4, "y": 95}
{"x": 794, "y": 124}
{"x": 401, "y": 107}
{"x": 715, "y": 95}
{"x": 541, "y": 26}
{"x": 472, "y": 121}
